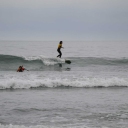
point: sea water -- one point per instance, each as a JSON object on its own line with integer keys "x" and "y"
{"x": 91, "y": 92}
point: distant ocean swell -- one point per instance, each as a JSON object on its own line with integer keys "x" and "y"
{"x": 15, "y": 83}
{"x": 9, "y": 62}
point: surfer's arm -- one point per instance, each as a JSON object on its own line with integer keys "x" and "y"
{"x": 25, "y": 69}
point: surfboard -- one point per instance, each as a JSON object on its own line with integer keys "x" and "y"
{"x": 64, "y": 60}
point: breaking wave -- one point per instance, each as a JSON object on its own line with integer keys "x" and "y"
{"x": 10, "y": 62}
{"x": 18, "y": 83}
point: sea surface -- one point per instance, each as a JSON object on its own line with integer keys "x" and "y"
{"x": 91, "y": 92}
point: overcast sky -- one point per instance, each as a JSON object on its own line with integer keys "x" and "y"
{"x": 73, "y": 20}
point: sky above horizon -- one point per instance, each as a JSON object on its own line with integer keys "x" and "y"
{"x": 74, "y": 20}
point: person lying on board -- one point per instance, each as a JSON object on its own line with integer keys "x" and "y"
{"x": 21, "y": 69}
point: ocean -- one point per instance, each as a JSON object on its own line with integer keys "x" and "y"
{"x": 91, "y": 92}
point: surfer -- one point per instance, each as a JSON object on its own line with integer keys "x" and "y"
{"x": 59, "y": 49}
{"x": 21, "y": 69}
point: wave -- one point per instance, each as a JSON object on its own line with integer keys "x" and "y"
{"x": 10, "y": 62}
{"x": 15, "y": 83}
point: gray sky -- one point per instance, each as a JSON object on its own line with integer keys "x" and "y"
{"x": 64, "y": 20}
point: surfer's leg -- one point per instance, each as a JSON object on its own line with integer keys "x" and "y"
{"x": 59, "y": 53}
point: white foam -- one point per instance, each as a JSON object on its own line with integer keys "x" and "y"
{"x": 29, "y": 58}
{"x": 47, "y": 61}
{"x": 32, "y": 58}
{"x": 31, "y": 81}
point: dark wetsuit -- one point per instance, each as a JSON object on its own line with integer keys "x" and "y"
{"x": 20, "y": 69}
{"x": 60, "y": 54}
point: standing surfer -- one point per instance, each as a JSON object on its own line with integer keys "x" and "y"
{"x": 59, "y": 49}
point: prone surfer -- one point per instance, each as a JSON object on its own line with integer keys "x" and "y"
{"x": 21, "y": 69}
{"x": 59, "y": 49}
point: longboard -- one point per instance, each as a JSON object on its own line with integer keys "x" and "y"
{"x": 64, "y": 60}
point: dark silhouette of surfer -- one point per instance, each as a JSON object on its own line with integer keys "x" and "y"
{"x": 59, "y": 49}
{"x": 21, "y": 69}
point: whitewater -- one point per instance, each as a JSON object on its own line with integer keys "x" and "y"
{"x": 91, "y": 92}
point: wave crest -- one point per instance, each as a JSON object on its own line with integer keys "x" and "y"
{"x": 9, "y": 62}
{"x": 63, "y": 83}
